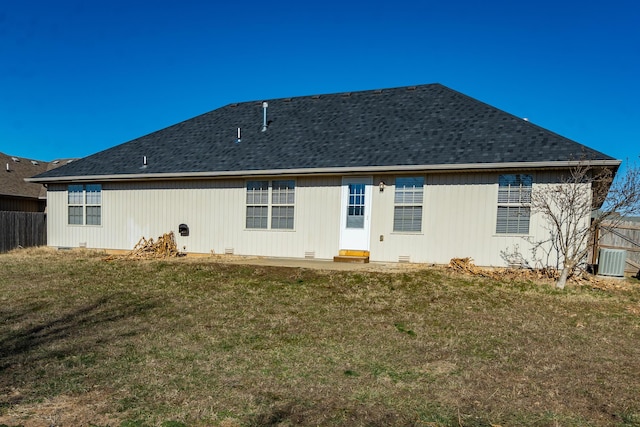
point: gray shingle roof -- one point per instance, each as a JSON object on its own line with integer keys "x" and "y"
{"x": 420, "y": 125}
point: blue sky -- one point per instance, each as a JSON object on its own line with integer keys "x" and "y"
{"x": 77, "y": 77}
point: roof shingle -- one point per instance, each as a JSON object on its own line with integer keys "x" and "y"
{"x": 14, "y": 171}
{"x": 420, "y": 125}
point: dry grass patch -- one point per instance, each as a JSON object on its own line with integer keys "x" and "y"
{"x": 204, "y": 343}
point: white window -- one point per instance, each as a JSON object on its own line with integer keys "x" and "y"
{"x": 409, "y": 196}
{"x": 257, "y": 204}
{"x": 282, "y": 200}
{"x": 514, "y": 201}
{"x": 84, "y": 204}
{"x": 270, "y": 202}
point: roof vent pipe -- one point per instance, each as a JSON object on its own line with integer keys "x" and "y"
{"x": 265, "y": 104}
{"x": 239, "y": 136}
{"x": 8, "y": 170}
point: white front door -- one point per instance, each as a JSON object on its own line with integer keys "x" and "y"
{"x": 355, "y": 218}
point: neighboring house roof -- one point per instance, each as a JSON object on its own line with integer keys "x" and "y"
{"x": 14, "y": 171}
{"x": 407, "y": 128}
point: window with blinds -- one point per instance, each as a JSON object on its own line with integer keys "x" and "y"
{"x": 408, "y": 200}
{"x": 257, "y": 204}
{"x": 514, "y": 201}
{"x": 282, "y": 204}
{"x": 270, "y": 202}
{"x": 84, "y": 204}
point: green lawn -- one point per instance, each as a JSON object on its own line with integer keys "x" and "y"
{"x": 84, "y": 341}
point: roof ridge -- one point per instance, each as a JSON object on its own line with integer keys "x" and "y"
{"x": 332, "y": 94}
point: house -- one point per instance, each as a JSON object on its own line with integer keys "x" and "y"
{"x": 409, "y": 174}
{"x": 22, "y": 204}
{"x": 15, "y": 193}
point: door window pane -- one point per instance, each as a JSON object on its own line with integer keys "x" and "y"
{"x": 355, "y": 208}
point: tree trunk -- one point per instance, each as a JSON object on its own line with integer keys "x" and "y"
{"x": 564, "y": 275}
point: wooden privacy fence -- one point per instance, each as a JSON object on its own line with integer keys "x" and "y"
{"x": 22, "y": 229}
{"x": 623, "y": 235}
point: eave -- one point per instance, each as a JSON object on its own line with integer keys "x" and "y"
{"x": 441, "y": 168}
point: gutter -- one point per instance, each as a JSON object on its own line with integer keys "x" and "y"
{"x": 465, "y": 167}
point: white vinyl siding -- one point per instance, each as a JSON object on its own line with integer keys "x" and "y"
{"x": 84, "y": 204}
{"x": 514, "y": 199}
{"x": 408, "y": 200}
{"x": 458, "y": 218}
{"x": 279, "y": 208}
{"x": 215, "y": 212}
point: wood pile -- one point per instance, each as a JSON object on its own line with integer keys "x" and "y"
{"x": 543, "y": 275}
{"x": 466, "y": 266}
{"x": 601, "y": 283}
{"x": 164, "y": 247}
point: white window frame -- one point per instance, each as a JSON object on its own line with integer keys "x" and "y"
{"x": 514, "y": 204}
{"x": 270, "y": 204}
{"x": 257, "y": 201}
{"x": 408, "y": 204}
{"x": 84, "y": 204}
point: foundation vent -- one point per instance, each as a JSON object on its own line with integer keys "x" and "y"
{"x": 228, "y": 251}
{"x": 404, "y": 258}
{"x": 310, "y": 255}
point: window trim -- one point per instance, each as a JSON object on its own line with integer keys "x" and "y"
{"x": 512, "y": 197}
{"x": 408, "y": 198}
{"x": 83, "y": 198}
{"x": 278, "y": 196}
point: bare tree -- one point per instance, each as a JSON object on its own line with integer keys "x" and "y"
{"x": 567, "y": 208}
